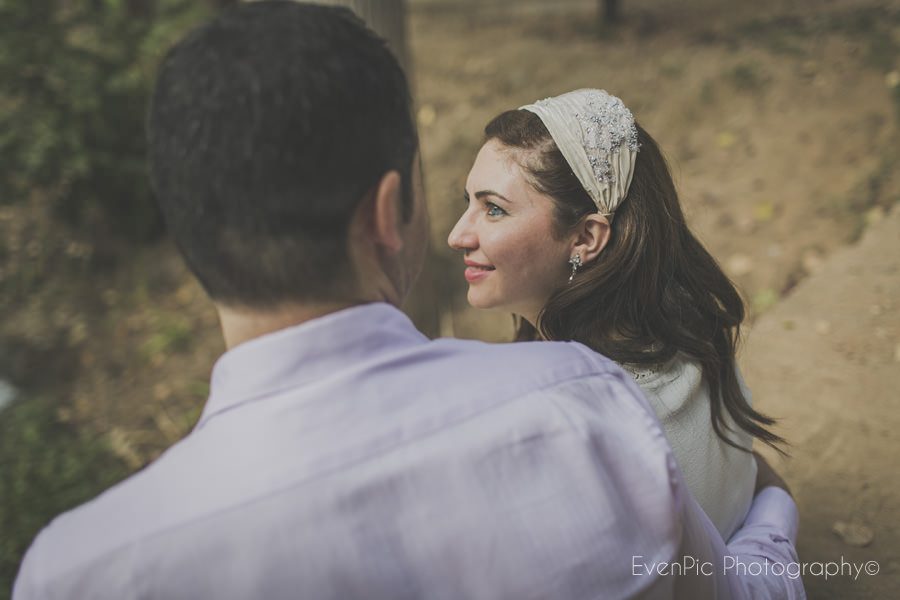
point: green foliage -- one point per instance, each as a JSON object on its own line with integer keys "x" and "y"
{"x": 46, "y": 467}
{"x": 171, "y": 336}
{"x": 764, "y": 300}
{"x": 75, "y": 78}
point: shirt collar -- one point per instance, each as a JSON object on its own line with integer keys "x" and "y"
{"x": 302, "y": 353}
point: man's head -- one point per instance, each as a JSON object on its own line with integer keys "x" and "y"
{"x": 273, "y": 128}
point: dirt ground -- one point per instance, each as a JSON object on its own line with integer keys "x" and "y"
{"x": 826, "y": 360}
{"x": 780, "y": 121}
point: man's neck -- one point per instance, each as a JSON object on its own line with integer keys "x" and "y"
{"x": 241, "y": 324}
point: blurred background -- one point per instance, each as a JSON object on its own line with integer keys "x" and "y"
{"x": 780, "y": 122}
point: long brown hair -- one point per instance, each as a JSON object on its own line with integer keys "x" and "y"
{"x": 654, "y": 291}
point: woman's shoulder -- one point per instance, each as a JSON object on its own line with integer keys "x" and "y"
{"x": 680, "y": 370}
{"x": 670, "y": 387}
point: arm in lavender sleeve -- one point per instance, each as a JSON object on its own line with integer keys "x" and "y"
{"x": 759, "y": 561}
{"x": 768, "y": 535}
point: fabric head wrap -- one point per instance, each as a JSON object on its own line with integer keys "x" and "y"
{"x": 598, "y": 138}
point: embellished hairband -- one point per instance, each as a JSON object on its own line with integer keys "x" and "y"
{"x": 596, "y": 134}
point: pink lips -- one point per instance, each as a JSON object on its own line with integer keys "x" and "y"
{"x": 476, "y": 271}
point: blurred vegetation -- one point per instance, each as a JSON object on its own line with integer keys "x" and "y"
{"x": 75, "y": 76}
{"x": 75, "y": 79}
{"x": 46, "y": 467}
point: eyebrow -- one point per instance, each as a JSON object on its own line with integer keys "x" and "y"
{"x": 483, "y": 193}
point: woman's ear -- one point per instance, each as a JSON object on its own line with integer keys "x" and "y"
{"x": 591, "y": 237}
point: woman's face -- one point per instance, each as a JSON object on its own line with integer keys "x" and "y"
{"x": 513, "y": 261}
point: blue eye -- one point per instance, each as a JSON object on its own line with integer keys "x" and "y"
{"x": 494, "y": 210}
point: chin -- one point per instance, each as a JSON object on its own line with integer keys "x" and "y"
{"x": 478, "y": 300}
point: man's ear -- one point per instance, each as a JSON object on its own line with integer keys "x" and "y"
{"x": 386, "y": 212}
{"x": 591, "y": 237}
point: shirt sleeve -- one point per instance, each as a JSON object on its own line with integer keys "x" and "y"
{"x": 760, "y": 559}
{"x": 24, "y": 587}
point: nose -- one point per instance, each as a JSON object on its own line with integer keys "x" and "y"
{"x": 462, "y": 236}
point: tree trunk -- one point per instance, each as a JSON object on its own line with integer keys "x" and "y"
{"x": 610, "y": 11}
{"x": 387, "y": 18}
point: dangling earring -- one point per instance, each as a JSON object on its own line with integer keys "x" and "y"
{"x": 575, "y": 261}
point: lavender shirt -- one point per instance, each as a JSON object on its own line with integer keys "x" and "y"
{"x": 350, "y": 457}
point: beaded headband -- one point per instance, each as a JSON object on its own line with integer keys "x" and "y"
{"x": 597, "y": 136}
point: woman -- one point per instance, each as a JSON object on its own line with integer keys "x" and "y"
{"x": 574, "y": 225}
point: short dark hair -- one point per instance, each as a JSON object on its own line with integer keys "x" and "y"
{"x": 654, "y": 291}
{"x": 267, "y": 127}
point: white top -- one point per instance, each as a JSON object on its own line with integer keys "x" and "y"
{"x": 349, "y": 457}
{"x": 720, "y": 476}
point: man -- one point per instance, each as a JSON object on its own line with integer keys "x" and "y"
{"x": 341, "y": 454}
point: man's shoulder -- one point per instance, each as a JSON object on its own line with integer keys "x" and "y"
{"x": 521, "y": 360}
{"x": 558, "y": 377}
{"x": 82, "y": 540}
{"x": 488, "y": 374}
{"x": 571, "y": 402}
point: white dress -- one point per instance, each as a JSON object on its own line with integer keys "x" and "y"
{"x": 721, "y": 477}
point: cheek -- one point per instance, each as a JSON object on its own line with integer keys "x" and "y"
{"x": 512, "y": 247}
{"x": 541, "y": 272}
{"x": 532, "y": 261}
